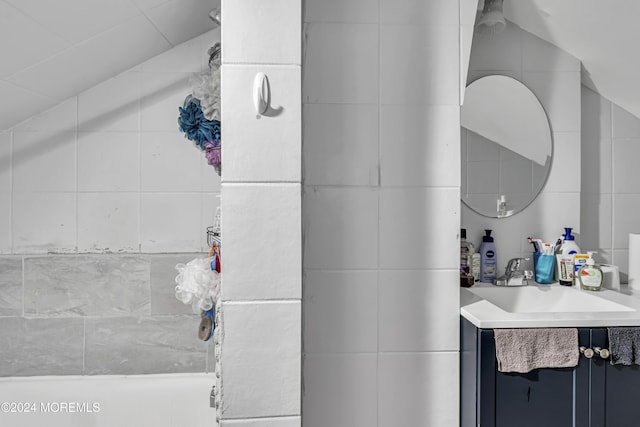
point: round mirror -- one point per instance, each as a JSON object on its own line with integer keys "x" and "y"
{"x": 506, "y": 146}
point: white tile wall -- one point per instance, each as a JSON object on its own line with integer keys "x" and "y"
{"x": 170, "y": 222}
{"x": 273, "y": 39}
{"x": 341, "y": 228}
{"x": 625, "y": 222}
{"x": 354, "y": 11}
{"x": 611, "y": 138}
{"x": 73, "y": 175}
{"x": 419, "y": 65}
{"x": 565, "y": 175}
{"x": 62, "y": 117}
{"x": 625, "y": 173}
{"x": 341, "y": 311}
{"x": 486, "y": 177}
{"x": 108, "y": 222}
{"x": 5, "y": 191}
{"x": 410, "y": 12}
{"x": 596, "y": 143}
{"x": 418, "y": 389}
{"x": 340, "y": 390}
{"x": 341, "y": 144}
{"x": 169, "y": 163}
{"x": 624, "y": 124}
{"x": 261, "y": 359}
{"x": 409, "y": 320}
{"x": 5, "y": 161}
{"x": 35, "y": 232}
{"x": 596, "y": 220}
{"x": 596, "y": 165}
{"x": 262, "y": 244}
{"x": 23, "y": 99}
{"x": 355, "y": 48}
{"x": 5, "y": 221}
{"x": 382, "y": 172}
{"x": 44, "y": 161}
{"x": 111, "y": 106}
{"x": 596, "y": 116}
{"x": 161, "y": 95}
{"x": 270, "y": 148}
{"x": 419, "y": 228}
{"x": 419, "y": 145}
{"x": 558, "y": 92}
{"x": 108, "y": 161}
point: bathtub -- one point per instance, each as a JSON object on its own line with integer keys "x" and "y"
{"x": 167, "y": 400}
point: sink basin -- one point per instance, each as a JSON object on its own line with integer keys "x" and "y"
{"x": 546, "y": 299}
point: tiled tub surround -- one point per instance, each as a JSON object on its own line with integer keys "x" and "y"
{"x": 108, "y": 171}
{"x": 107, "y": 176}
{"x": 97, "y": 314}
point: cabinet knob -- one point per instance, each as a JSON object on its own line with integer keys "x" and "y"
{"x": 587, "y": 352}
{"x": 602, "y": 352}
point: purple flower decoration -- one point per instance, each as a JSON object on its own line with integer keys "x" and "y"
{"x": 213, "y": 155}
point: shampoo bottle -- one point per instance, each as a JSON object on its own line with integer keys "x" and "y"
{"x": 466, "y": 251}
{"x": 590, "y": 275}
{"x": 565, "y": 270}
{"x": 488, "y": 258}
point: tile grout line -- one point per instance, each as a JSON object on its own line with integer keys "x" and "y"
{"x": 23, "y": 276}
{"x": 139, "y": 207}
{"x": 11, "y": 193}
{"x": 379, "y": 225}
{"x": 84, "y": 344}
{"x": 77, "y": 166}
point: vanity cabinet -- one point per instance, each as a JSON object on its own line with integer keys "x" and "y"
{"x": 592, "y": 394}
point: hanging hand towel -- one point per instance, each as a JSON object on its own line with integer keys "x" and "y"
{"x": 624, "y": 345}
{"x": 523, "y": 350}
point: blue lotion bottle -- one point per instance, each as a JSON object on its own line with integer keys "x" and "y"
{"x": 488, "y": 258}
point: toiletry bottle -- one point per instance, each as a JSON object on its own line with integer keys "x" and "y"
{"x": 568, "y": 247}
{"x": 488, "y": 258}
{"x": 466, "y": 250}
{"x": 475, "y": 266}
{"x": 590, "y": 275}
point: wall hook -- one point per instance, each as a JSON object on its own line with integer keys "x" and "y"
{"x": 261, "y": 93}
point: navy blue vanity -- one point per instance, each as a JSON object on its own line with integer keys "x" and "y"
{"x": 593, "y": 394}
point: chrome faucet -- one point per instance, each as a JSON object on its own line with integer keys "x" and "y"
{"x": 513, "y": 275}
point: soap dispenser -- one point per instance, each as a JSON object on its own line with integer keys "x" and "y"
{"x": 565, "y": 269}
{"x": 488, "y": 258}
{"x": 590, "y": 275}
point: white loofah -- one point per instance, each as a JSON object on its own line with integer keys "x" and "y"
{"x": 197, "y": 284}
{"x": 206, "y": 88}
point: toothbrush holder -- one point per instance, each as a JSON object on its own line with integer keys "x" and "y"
{"x": 544, "y": 266}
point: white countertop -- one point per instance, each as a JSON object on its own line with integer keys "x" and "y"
{"x": 545, "y": 306}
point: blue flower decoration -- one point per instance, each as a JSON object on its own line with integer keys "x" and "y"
{"x": 195, "y": 125}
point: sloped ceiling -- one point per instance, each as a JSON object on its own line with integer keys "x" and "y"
{"x": 52, "y": 50}
{"x": 604, "y": 35}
